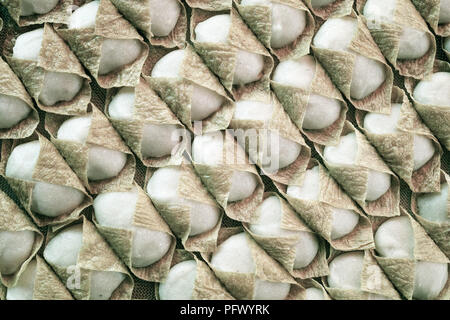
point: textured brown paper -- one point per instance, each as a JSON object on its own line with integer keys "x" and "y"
{"x": 95, "y": 255}
{"x": 137, "y": 14}
{"x": 177, "y": 92}
{"x": 429, "y": 9}
{"x": 145, "y": 216}
{"x": 86, "y": 43}
{"x": 217, "y": 179}
{"x": 337, "y": 8}
{"x": 13, "y": 219}
{"x": 211, "y": 5}
{"x": 295, "y": 101}
{"x": 10, "y": 85}
{"x": 373, "y": 281}
{"x": 148, "y": 109}
{"x": 101, "y": 133}
{"x": 206, "y": 285}
{"x": 397, "y": 149}
{"x": 177, "y": 216}
{"x": 353, "y": 179}
{"x": 55, "y": 56}
{"x": 318, "y": 214}
{"x": 50, "y": 168}
{"x": 439, "y": 232}
{"x": 283, "y": 250}
{"x": 400, "y": 271}
{"x": 222, "y": 58}
{"x": 59, "y": 14}
{"x": 387, "y": 37}
{"x": 258, "y": 18}
{"x": 241, "y": 285}
{"x": 339, "y": 65}
{"x": 436, "y": 118}
{"x": 311, "y": 283}
{"x": 281, "y": 124}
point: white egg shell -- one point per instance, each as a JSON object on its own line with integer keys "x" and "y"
{"x": 344, "y": 221}
{"x": 321, "y": 3}
{"x": 310, "y": 188}
{"x": 12, "y": 111}
{"x": 179, "y": 284}
{"x": 62, "y": 250}
{"x": 444, "y": 11}
{"x": 321, "y": 112}
{"x": 314, "y": 294}
{"x": 163, "y": 16}
{"x": 433, "y": 206}
{"x": 277, "y": 151}
{"x": 30, "y": 7}
{"x": 447, "y": 44}
{"x": 28, "y": 45}
{"x": 59, "y": 86}
{"x": 22, "y": 161}
{"x": 103, "y": 284}
{"x": 84, "y": 16}
{"x": 368, "y": 75}
{"x": 249, "y": 67}
{"x": 252, "y": 110}
{"x": 24, "y": 288}
{"x": 121, "y": 106}
{"x": 117, "y": 53}
{"x": 423, "y": 151}
{"x": 15, "y": 248}
{"x": 395, "y": 238}
{"x": 430, "y": 279}
{"x": 345, "y": 271}
{"x": 434, "y": 90}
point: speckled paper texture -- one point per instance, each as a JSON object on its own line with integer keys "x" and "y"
{"x": 54, "y": 56}
{"x": 13, "y": 219}
{"x": 337, "y": 8}
{"x": 353, "y": 179}
{"x": 50, "y": 168}
{"x": 101, "y": 133}
{"x": 258, "y": 18}
{"x": 148, "y": 109}
{"x": 397, "y": 149}
{"x": 429, "y": 9}
{"x": 436, "y": 118}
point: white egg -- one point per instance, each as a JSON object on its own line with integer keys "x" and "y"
{"x": 104, "y": 283}
{"x": 321, "y": 3}
{"x": 179, "y": 284}
{"x": 433, "y": 206}
{"x": 208, "y": 149}
{"x": 23, "y": 290}
{"x": 204, "y": 101}
{"x": 163, "y": 186}
{"x": 103, "y": 163}
{"x": 344, "y": 222}
{"x": 268, "y": 224}
{"x": 163, "y": 16}
{"x": 249, "y": 67}
{"x": 63, "y": 249}
{"x": 434, "y": 90}
{"x": 121, "y": 106}
{"x": 117, "y": 53}
{"x": 253, "y": 110}
{"x": 59, "y": 86}
{"x": 447, "y": 44}
{"x": 395, "y": 238}
{"x": 321, "y": 112}
{"x": 15, "y": 248}
{"x": 345, "y": 271}
{"x": 12, "y": 111}
{"x": 30, "y": 7}
{"x": 314, "y": 294}
{"x": 116, "y": 210}
{"x": 444, "y": 11}
{"x": 430, "y": 279}
{"x": 28, "y": 45}
{"x": 423, "y": 151}
{"x": 84, "y": 16}
{"x": 234, "y": 255}
{"x": 337, "y": 34}
{"x": 378, "y": 183}
{"x": 22, "y": 161}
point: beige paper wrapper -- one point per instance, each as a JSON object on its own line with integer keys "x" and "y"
{"x": 282, "y": 249}
{"x": 217, "y": 180}
{"x": 429, "y": 9}
{"x": 439, "y": 232}
{"x": 87, "y": 43}
{"x": 10, "y": 85}
{"x": 318, "y": 215}
{"x": 13, "y": 219}
{"x": 311, "y": 283}
{"x": 436, "y": 118}
{"x": 59, "y": 14}
{"x": 281, "y": 124}
{"x": 222, "y": 58}
{"x": 339, "y": 65}
{"x": 210, "y": 5}
{"x": 397, "y": 149}
{"x": 373, "y": 282}
{"x": 95, "y": 255}
{"x": 206, "y": 285}
{"x": 295, "y": 101}
{"x": 258, "y": 18}
{"x": 148, "y": 109}
{"x": 178, "y": 216}
{"x": 55, "y": 56}
{"x": 387, "y": 37}
{"x": 138, "y": 14}
{"x": 241, "y": 285}
{"x": 101, "y": 133}
{"x": 337, "y": 8}
{"x": 50, "y": 168}
{"x": 145, "y": 216}
{"x": 177, "y": 92}
{"x": 353, "y": 179}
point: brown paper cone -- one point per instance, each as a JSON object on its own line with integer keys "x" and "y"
{"x": 397, "y": 149}
{"x": 148, "y": 109}
{"x": 311, "y": 283}
{"x": 429, "y": 9}
{"x": 353, "y": 179}
{"x": 50, "y": 168}
{"x": 101, "y": 133}
{"x": 59, "y": 14}
{"x": 210, "y": 5}
{"x": 337, "y": 8}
